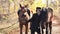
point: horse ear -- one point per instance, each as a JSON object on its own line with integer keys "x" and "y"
{"x": 26, "y": 5}
{"x": 20, "y": 5}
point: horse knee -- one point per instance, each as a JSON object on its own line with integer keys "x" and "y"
{"x": 50, "y": 25}
{"x": 26, "y": 29}
{"x": 26, "y": 25}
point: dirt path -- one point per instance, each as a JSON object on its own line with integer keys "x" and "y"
{"x": 55, "y": 28}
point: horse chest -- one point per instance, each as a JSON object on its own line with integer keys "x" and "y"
{"x": 23, "y": 17}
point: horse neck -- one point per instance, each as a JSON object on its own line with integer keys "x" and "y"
{"x": 50, "y": 15}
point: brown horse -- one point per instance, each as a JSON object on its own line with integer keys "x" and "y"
{"x": 24, "y": 15}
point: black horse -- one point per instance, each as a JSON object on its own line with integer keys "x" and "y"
{"x": 46, "y": 16}
{"x": 50, "y": 16}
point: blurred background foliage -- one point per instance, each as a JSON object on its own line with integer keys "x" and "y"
{"x": 9, "y": 8}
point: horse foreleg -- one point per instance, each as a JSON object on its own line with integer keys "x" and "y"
{"x": 46, "y": 28}
{"x": 42, "y": 31}
{"x": 21, "y": 26}
{"x": 50, "y": 27}
{"x": 26, "y": 28}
